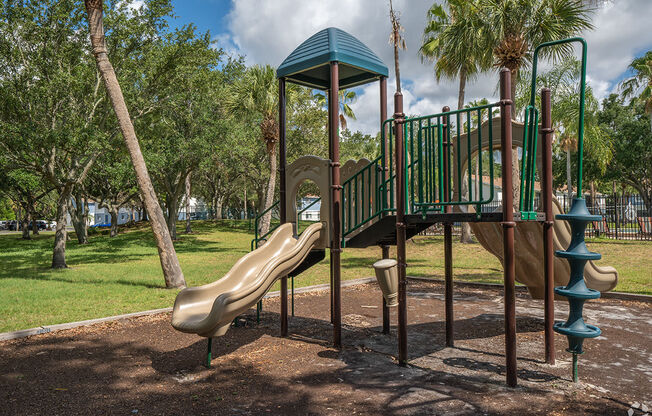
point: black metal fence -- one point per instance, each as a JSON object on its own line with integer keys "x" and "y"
{"x": 624, "y": 217}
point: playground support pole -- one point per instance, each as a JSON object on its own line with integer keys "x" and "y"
{"x": 336, "y": 245}
{"x": 282, "y": 191}
{"x": 399, "y": 119}
{"x": 385, "y": 308}
{"x": 548, "y": 255}
{"x": 448, "y": 240}
{"x": 508, "y": 225}
{"x": 383, "y": 117}
{"x": 330, "y": 156}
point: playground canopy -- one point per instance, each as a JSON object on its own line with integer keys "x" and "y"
{"x": 308, "y": 64}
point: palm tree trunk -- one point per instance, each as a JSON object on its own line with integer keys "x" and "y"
{"x": 465, "y": 236}
{"x": 516, "y": 175}
{"x": 569, "y": 179}
{"x": 188, "y": 226}
{"x": 169, "y": 261}
{"x": 269, "y": 195}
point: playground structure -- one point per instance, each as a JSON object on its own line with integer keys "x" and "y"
{"x": 414, "y": 183}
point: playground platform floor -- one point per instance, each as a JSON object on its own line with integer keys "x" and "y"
{"x": 141, "y": 366}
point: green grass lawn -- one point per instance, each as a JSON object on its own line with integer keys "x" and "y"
{"x": 118, "y": 275}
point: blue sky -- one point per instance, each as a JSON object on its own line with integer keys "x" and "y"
{"x": 205, "y": 14}
{"x": 266, "y": 31}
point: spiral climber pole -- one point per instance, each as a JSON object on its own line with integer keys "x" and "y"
{"x": 576, "y": 291}
{"x": 578, "y": 217}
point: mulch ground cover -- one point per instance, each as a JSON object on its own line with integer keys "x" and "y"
{"x": 142, "y": 366}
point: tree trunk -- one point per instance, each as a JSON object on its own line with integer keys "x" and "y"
{"x": 35, "y": 230}
{"x": 169, "y": 261}
{"x": 465, "y": 236}
{"x": 78, "y": 214}
{"x": 60, "y": 234}
{"x": 26, "y": 224}
{"x": 188, "y": 227}
{"x": 516, "y": 176}
{"x": 569, "y": 179}
{"x": 269, "y": 197}
{"x": 173, "y": 212}
{"x": 113, "y": 210}
{"x": 219, "y": 204}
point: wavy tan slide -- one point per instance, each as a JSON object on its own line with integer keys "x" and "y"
{"x": 209, "y": 310}
{"x": 528, "y": 242}
{"x": 528, "y": 236}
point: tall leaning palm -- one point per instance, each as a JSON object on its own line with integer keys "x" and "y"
{"x": 453, "y": 38}
{"x": 640, "y": 82}
{"x": 255, "y": 97}
{"x": 515, "y": 27}
{"x": 169, "y": 262}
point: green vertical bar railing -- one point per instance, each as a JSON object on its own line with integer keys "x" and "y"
{"x": 580, "y": 127}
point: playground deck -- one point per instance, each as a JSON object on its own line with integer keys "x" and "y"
{"x": 142, "y": 366}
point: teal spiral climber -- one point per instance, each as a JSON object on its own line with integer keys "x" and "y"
{"x": 576, "y": 291}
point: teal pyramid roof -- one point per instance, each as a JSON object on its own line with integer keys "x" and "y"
{"x": 309, "y": 63}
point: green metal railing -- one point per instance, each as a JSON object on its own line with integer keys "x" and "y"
{"x": 272, "y": 228}
{"x": 367, "y": 195}
{"x": 526, "y": 202}
{"x": 276, "y": 205}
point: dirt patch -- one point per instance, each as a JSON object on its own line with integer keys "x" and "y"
{"x": 141, "y": 366}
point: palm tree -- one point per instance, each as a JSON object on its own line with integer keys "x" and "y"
{"x": 515, "y": 27}
{"x": 642, "y": 69}
{"x": 255, "y": 96}
{"x": 346, "y": 97}
{"x": 168, "y": 256}
{"x": 397, "y": 41}
{"x": 453, "y": 38}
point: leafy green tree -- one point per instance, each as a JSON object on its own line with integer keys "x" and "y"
{"x": 632, "y": 145}
{"x": 639, "y": 85}
{"x": 255, "y": 98}
{"x": 453, "y": 38}
{"x": 514, "y": 28}
{"x": 345, "y": 99}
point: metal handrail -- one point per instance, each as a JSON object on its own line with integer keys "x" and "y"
{"x": 254, "y": 242}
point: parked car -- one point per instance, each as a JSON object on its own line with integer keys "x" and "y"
{"x": 12, "y": 225}
{"x": 3, "y": 225}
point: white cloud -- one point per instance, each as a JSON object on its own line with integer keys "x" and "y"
{"x": 266, "y": 32}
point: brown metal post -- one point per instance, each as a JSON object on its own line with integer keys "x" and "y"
{"x": 508, "y": 225}
{"x": 386, "y": 323}
{"x": 548, "y": 254}
{"x": 336, "y": 244}
{"x": 399, "y": 119}
{"x": 330, "y": 156}
{"x": 448, "y": 241}
{"x": 383, "y": 117}
{"x": 283, "y": 212}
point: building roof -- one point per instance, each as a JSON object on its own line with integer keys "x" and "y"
{"x": 309, "y": 63}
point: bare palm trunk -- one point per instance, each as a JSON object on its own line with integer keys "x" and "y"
{"x": 169, "y": 261}
{"x": 269, "y": 195}
{"x": 60, "y": 234}
{"x": 188, "y": 226}
{"x": 516, "y": 175}
{"x": 465, "y": 236}
{"x": 569, "y": 179}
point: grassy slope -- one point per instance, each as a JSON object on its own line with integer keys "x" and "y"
{"x": 118, "y": 275}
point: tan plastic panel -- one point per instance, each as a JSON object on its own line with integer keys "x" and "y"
{"x": 315, "y": 169}
{"x": 528, "y": 236}
{"x": 208, "y": 310}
